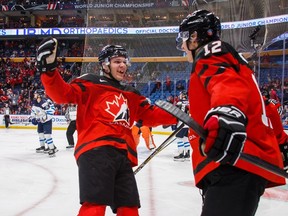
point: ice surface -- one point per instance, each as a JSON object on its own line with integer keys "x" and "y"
{"x": 32, "y": 184}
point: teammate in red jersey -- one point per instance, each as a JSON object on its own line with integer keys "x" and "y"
{"x": 230, "y": 107}
{"x": 273, "y": 112}
{"x": 105, "y": 149}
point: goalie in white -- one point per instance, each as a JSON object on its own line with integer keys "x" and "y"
{"x": 42, "y": 112}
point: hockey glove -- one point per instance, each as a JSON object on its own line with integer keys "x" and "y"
{"x": 47, "y": 55}
{"x": 34, "y": 121}
{"x": 226, "y": 129}
{"x": 284, "y": 152}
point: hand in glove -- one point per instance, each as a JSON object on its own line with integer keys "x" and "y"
{"x": 284, "y": 152}
{"x": 34, "y": 121}
{"x": 47, "y": 55}
{"x": 226, "y": 127}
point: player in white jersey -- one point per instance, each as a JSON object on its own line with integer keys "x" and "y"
{"x": 42, "y": 112}
{"x": 182, "y": 136}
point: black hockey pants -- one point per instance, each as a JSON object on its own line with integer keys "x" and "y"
{"x": 229, "y": 191}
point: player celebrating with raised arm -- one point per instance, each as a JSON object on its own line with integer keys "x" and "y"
{"x": 105, "y": 149}
{"x": 231, "y": 109}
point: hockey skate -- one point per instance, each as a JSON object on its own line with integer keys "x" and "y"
{"x": 151, "y": 148}
{"x": 187, "y": 155}
{"x": 41, "y": 149}
{"x": 52, "y": 152}
{"x": 69, "y": 146}
{"x": 46, "y": 150}
{"x": 179, "y": 157}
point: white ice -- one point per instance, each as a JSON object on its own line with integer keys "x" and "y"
{"x": 32, "y": 184}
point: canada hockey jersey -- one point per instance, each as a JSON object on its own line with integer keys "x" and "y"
{"x": 106, "y": 111}
{"x": 221, "y": 76}
{"x": 272, "y": 110}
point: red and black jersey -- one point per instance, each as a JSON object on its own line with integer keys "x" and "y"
{"x": 220, "y": 76}
{"x": 106, "y": 111}
{"x": 272, "y": 110}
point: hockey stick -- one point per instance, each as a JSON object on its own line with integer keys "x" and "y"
{"x": 166, "y": 142}
{"x": 175, "y": 111}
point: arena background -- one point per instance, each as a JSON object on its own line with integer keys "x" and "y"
{"x": 148, "y": 29}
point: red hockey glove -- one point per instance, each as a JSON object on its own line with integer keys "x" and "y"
{"x": 284, "y": 152}
{"x": 226, "y": 129}
{"x": 47, "y": 55}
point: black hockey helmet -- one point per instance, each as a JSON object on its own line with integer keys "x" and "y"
{"x": 265, "y": 93}
{"x": 205, "y": 23}
{"x": 40, "y": 92}
{"x": 111, "y": 51}
{"x": 183, "y": 94}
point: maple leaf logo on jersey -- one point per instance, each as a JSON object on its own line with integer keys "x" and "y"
{"x": 119, "y": 109}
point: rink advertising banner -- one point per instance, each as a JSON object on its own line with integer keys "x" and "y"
{"x": 87, "y": 31}
{"x": 56, "y": 5}
{"x": 133, "y": 31}
{"x": 59, "y": 123}
{"x": 117, "y": 6}
{"x": 23, "y": 120}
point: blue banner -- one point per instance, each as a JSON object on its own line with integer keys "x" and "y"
{"x": 133, "y": 31}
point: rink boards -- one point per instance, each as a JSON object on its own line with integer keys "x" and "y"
{"x": 59, "y": 123}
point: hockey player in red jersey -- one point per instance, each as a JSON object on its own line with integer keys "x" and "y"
{"x": 106, "y": 110}
{"x": 273, "y": 112}
{"x": 230, "y": 107}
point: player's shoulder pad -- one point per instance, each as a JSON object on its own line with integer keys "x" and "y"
{"x": 88, "y": 77}
{"x": 49, "y": 101}
{"x": 129, "y": 88}
{"x": 273, "y": 101}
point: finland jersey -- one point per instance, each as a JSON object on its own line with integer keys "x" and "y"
{"x": 43, "y": 111}
{"x": 184, "y": 106}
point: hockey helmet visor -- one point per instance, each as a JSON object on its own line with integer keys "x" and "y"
{"x": 181, "y": 38}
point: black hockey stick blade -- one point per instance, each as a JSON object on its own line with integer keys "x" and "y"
{"x": 182, "y": 116}
{"x": 185, "y": 118}
{"x": 166, "y": 142}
